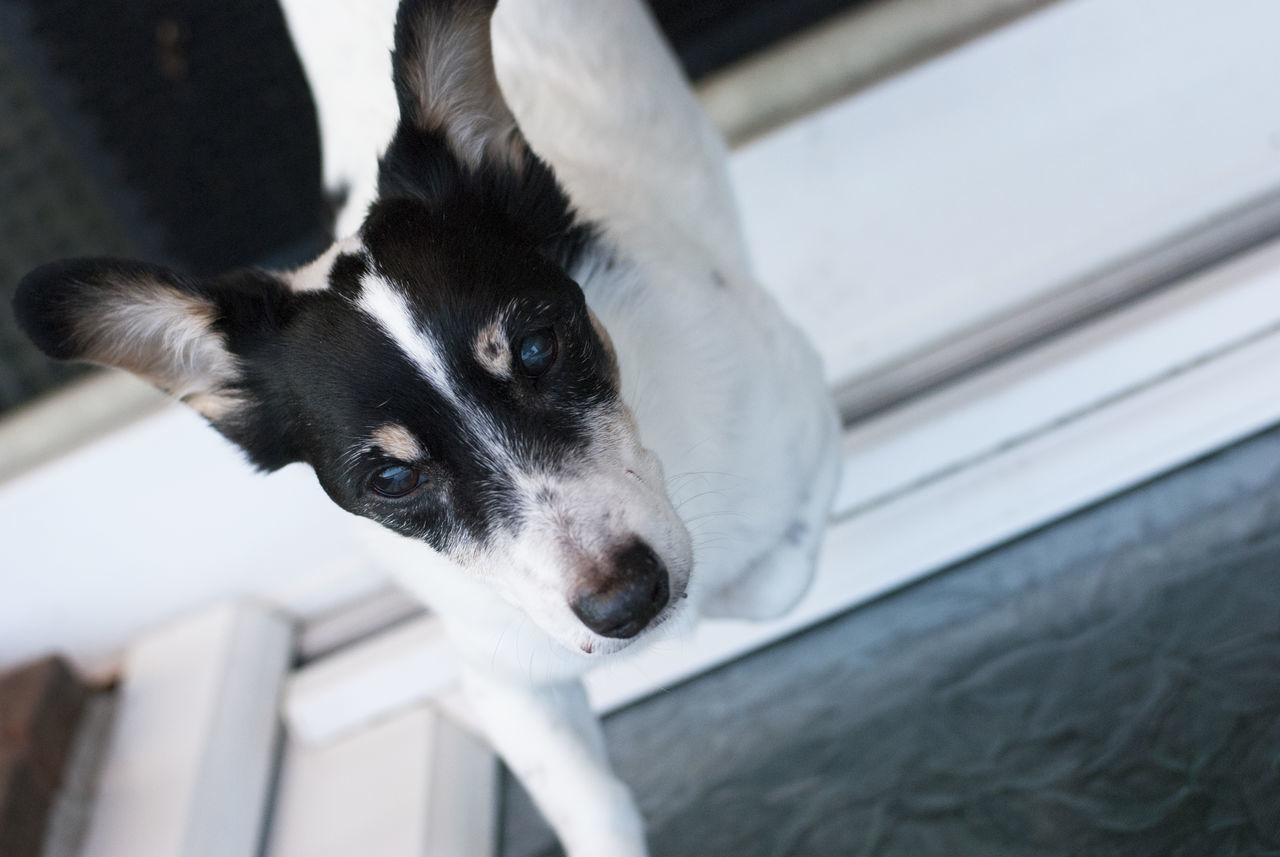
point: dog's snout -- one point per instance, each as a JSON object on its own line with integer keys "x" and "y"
{"x": 625, "y": 596}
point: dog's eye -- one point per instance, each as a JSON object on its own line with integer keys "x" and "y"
{"x": 538, "y": 352}
{"x": 395, "y": 481}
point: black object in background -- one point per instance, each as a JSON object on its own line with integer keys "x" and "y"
{"x": 180, "y": 131}
{"x": 710, "y": 34}
{"x": 205, "y": 109}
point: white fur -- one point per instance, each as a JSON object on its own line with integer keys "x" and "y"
{"x": 314, "y": 276}
{"x": 725, "y": 392}
{"x": 167, "y": 337}
{"x": 381, "y": 302}
{"x": 571, "y": 524}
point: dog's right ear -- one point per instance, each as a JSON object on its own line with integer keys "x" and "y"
{"x": 200, "y": 341}
{"x": 446, "y": 84}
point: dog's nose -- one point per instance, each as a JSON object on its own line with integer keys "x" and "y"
{"x": 628, "y": 596}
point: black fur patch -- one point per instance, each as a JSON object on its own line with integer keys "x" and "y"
{"x": 419, "y": 165}
{"x": 418, "y": 162}
{"x": 458, "y": 266}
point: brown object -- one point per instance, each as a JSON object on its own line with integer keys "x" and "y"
{"x": 40, "y": 707}
{"x": 24, "y": 808}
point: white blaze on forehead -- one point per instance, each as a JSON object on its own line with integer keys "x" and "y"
{"x": 386, "y": 306}
{"x": 380, "y": 301}
{"x": 397, "y": 441}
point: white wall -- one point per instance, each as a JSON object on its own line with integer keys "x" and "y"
{"x": 151, "y": 522}
{"x": 988, "y": 178}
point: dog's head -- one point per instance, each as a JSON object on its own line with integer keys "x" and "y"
{"x": 440, "y": 371}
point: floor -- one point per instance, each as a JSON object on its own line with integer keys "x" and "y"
{"x": 1107, "y": 685}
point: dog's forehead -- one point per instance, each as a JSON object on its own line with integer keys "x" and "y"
{"x": 432, "y": 311}
{"x": 411, "y": 330}
{"x": 395, "y": 366}
{"x": 415, "y": 324}
{"x": 459, "y": 253}
{"x": 375, "y": 352}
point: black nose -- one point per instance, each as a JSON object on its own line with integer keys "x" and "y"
{"x": 625, "y": 595}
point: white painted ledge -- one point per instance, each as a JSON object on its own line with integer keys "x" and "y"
{"x": 1020, "y": 165}
{"x": 1064, "y": 378}
{"x": 394, "y": 669}
{"x": 412, "y": 785}
{"x": 188, "y": 765}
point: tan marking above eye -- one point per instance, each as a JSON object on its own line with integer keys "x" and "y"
{"x": 398, "y": 442}
{"x": 492, "y": 351}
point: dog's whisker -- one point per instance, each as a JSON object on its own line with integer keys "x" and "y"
{"x": 718, "y": 513}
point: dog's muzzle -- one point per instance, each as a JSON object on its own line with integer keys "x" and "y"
{"x": 622, "y": 598}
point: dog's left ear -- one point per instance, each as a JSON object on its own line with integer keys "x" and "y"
{"x": 446, "y": 84}
{"x": 456, "y": 132}
{"x": 201, "y": 341}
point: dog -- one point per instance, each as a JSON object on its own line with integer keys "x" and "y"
{"x": 541, "y": 357}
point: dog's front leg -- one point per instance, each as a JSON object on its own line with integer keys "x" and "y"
{"x": 551, "y": 740}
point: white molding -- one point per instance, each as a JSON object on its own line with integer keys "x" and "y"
{"x": 360, "y": 617}
{"x": 1080, "y": 370}
{"x": 394, "y": 669}
{"x": 462, "y": 813}
{"x": 1010, "y": 171}
{"x": 1137, "y": 277}
{"x": 1070, "y": 423}
{"x": 412, "y": 785}
{"x": 189, "y": 761}
{"x": 71, "y": 416}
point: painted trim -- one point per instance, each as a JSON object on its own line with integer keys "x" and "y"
{"x": 412, "y": 785}
{"x": 192, "y": 751}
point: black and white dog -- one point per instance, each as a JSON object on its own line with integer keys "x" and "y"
{"x": 541, "y": 357}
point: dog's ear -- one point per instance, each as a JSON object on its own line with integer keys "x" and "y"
{"x": 456, "y": 132}
{"x": 200, "y": 341}
{"x": 446, "y": 84}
